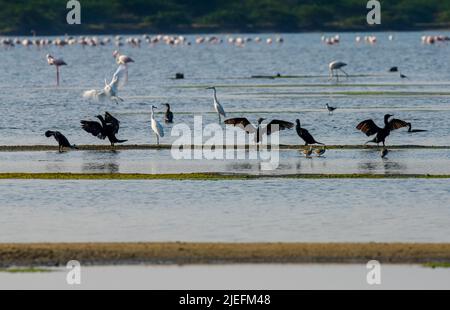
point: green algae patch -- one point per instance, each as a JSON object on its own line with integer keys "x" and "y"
{"x": 25, "y": 270}
{"x": 435, "y": 265}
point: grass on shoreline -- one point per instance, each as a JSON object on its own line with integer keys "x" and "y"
{"x": 204, "y": 176}
{"x": 58, "y": 254}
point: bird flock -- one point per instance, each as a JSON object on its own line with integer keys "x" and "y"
{"x": 108, "y": 126}
{"x": 138, "y": 41}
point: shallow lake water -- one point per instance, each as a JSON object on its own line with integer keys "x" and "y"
{"x": 366, "y": 161}
{"x": 218, "y": 277}
{"x": 259, "y": 210}
{"x": 410, "y": 210}
{"x": 30, "y": 104}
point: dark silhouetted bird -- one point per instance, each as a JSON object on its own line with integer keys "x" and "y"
{"x": 107, "y": 128}
{"x": 274, "y": 126}
{"x": 61, "y": 139}
{"x": 370, "y": 128}
{"x": 330, "y": 109}
{"x": 384, "y": 152}
{"x": 168, "y": 117}
{"x": 402, "y": 76}
{"x": 393, "y": 69}
{"x": 305, "y": 135}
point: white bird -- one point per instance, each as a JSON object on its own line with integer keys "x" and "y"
{"x": 110, "y": 91}
{"x": 123, "y": 60}
{"x": 157, "y": 128}
{"x": 217, "y": 106}
{"x": 336, "y": 66}
{"x": 57, "y": 63}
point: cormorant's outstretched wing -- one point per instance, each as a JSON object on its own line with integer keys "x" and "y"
{"x": 109, "y": 119}
{"x": 93, "y": 128}
{"x": 397, "y": 124}
{"x": 242, "y": 123}
{"x": 368, "y": 127}
{"x": 277, "y": 125}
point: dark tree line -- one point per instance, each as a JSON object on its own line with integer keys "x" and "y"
{"x": 109, "y": 16}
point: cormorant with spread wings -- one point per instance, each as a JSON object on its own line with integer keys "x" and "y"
{"x": 274, "y": 126}
{"x": 370, "y": 128}
{"x": 107, "y": 128}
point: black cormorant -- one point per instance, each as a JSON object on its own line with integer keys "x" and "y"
{"x": 107, "y": 128}
{"x": 370, "y": 128}
{"x": 305, "y": 135}
{"x": 274, "y": 126}
{"x": 61, "y": 139}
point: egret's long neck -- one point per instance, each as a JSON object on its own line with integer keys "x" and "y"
{"x": 215, "y": 95}
{"x": 153, "y": 113}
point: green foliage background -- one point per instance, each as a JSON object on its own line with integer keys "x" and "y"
{"x": 109, "y": 16}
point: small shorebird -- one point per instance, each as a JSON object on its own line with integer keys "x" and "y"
{"x": 330, "y": 109}
{"x": 308, "y": 152}
{"x": 384, "y": 152}
{"x": 320, "y": 152}
{"x": 57, "y": 63}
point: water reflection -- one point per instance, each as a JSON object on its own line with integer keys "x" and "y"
{"x": 104, "y": 162}
{"x": 385, "y": 166}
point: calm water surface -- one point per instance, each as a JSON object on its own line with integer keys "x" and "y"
{"x": 260, "y": 210}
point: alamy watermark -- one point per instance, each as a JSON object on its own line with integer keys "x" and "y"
{"x": 74, "y": 15}
{"x": 374, "y": 275}
{"x": 214, "y": 142}
{"x": 74, "y": 275}
{"x": 374, "y": 15}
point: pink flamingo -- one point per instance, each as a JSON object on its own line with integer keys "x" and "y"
{"x": 123, "y": 60}
{"x": 57, "y": 63}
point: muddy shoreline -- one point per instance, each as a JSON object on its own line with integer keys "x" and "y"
{"x": 58, "y": 254}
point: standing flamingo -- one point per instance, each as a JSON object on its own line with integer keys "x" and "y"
{"x": 57, "y": 63}
{"x": 336, "y": 66}
{"x": 123, "y": 60}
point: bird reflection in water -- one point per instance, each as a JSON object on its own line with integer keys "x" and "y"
{"x": 104, "y": 162}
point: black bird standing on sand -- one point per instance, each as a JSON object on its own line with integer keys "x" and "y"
{"x": 305, "y": 135}
{"x": 61, "y": 139}
{"x": 370, "y": 128}
{"x": 107, "y": 128}
{"x": 168, "y": 118}
{"x": 274, "y": 126}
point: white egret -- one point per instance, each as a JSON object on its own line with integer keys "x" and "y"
{"x": 217, "y": 106}
{"x": 156, "y": 126}
{"x": 110, "y": 91}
